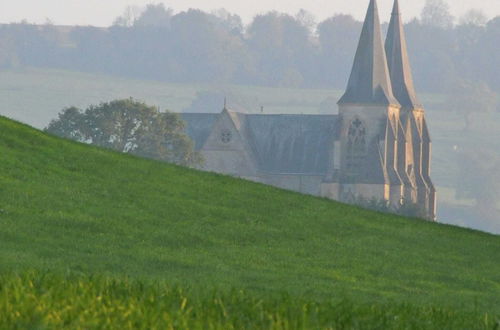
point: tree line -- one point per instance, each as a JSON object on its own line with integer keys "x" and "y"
{"x": 275, "y": 49}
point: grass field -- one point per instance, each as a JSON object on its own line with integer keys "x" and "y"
{"x": 40, "y": 300}
{"x": 71, "y": 208}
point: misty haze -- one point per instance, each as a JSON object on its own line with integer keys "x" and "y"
{"x": 256, "y": 137}
{"x": 189, "y": 61}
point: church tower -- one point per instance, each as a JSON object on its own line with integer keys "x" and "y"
{"x": 415, "y": 144}
{"x": 383, "y": 148}
{"x": 366, "y": 153}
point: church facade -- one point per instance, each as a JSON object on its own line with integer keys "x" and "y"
{"x": 377, "y": 147}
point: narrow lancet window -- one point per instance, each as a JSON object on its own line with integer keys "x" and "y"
{"x": 356, "y": 148}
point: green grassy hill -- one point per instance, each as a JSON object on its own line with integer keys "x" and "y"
{"x": 67, "y": 207}
{"x": 36, "y": 96}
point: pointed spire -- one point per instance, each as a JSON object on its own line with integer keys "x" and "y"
{"x": 395, "y": 8}
{"x": 399, "y": 64}
{"x": 370, "y": 82}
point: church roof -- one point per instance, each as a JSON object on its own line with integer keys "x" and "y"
{"x": 398, "y": 62}
{"x": 281, "y": 144}
{"x": 296, "y": 144}
{"x": 369, "y": 82}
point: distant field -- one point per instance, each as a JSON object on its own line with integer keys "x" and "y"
{"x": 35, "y": 96}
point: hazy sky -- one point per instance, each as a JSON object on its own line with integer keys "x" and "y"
{"x": 103, "y": 12}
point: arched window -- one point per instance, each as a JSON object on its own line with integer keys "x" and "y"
{"x": 356, "y": 148}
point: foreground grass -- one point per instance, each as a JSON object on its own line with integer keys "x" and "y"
{"x": 38, "y": 301}
{"x": 70, "y": 207}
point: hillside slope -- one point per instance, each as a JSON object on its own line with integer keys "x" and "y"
{"x": 36, "y": 96}
{"x": 70, "y": 207}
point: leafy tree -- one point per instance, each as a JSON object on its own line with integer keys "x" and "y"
{"x": 437, "y": 13}
{"x": 338, "y": 38}
{"x": 486, "y": 61}
{"x": 129, "y": 16}
{"x": 474, "y": 17}
{"x": 129, "y": 126}
{"x": 228, "y": 21}
{"x": 154, "y": 15}
{"x": 307, "y": 19}
{"x": 281, "y": 45}
{"x": 205, "y": 48}
{"x": 70, "y": 125}
{"x": 8, "y": 51}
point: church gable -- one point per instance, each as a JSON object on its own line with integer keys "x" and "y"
{"x": 225, "y": 133}
{"x": 226, "y": 150}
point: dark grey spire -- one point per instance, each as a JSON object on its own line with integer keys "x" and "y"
{"x": 399, "y": 64}
{"x": 370, "y": 82}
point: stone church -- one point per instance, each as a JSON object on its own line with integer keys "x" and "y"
{"x": 376, "y": 147}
